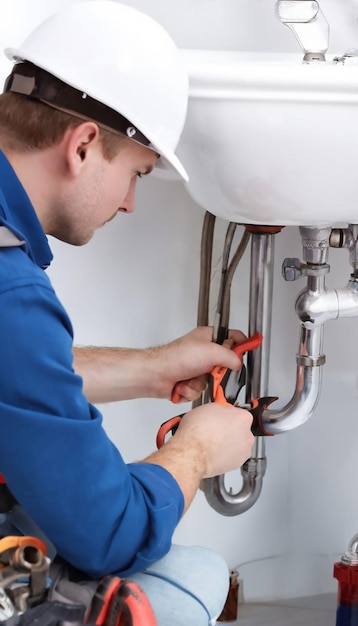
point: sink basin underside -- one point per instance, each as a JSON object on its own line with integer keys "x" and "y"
{"x": 272, "y": 140}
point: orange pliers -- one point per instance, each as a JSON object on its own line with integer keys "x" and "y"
{"x": 219, "y": 377}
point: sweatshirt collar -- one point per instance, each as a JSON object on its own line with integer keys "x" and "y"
{"x": 18, "y": 214}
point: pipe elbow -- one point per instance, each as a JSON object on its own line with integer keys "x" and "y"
{"x": 299, "y": 409}
{"x": 230, "y": 504}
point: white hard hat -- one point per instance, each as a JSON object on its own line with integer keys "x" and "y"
{"x": 114, "y": 57}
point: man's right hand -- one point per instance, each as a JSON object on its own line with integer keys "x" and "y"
{"x": 211, "y": 440}
{"x": 224, "y": 434}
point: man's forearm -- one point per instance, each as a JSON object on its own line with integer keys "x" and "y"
{"x": 113, "y": 374}
{"x": 186, "y": 462}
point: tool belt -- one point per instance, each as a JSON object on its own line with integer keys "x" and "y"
{"x": 36, "y": 592}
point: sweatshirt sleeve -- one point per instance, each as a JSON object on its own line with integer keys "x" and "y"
{"x": 103, "y": 515}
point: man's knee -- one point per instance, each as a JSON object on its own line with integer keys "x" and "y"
{"x": 188, "y": 585}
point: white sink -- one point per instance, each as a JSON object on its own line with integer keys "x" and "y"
{"x": 271, "y": 140}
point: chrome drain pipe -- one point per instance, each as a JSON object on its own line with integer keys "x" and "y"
{"x": 315, "y": 305}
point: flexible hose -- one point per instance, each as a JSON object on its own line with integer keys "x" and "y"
{"x": 228, "y": 269}
{"x": 206, "y": 254}
{"x": 225, "y": 303}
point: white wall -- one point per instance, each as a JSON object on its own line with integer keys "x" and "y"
{"x": 136, "y": 284}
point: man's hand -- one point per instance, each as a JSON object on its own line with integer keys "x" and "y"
{"x": 211, "y": 440}
{"x": 187, "y": 361}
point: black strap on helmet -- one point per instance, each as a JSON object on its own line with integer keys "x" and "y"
{"x": 36, "y": 83}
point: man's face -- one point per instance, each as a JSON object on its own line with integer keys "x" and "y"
{"x": 121, "y": 176}
{"x": 103, "y": 189}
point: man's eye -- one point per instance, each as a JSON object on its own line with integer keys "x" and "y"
{"x": 139, "y": 174}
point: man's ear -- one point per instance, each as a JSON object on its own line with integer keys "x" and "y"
{"x": 80, "y": 142}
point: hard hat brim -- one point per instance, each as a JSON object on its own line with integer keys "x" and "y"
{"x": 170, "y": 168}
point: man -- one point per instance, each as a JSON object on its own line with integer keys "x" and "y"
{"x": 96, "y": 98}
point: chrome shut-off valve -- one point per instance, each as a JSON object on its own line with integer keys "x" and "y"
{"x": 309, "y": 25}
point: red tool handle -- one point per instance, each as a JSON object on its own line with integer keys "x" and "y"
{"x": 119, "y": 602}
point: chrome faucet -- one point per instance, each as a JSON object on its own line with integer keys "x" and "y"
{"x": 309, "y": 25}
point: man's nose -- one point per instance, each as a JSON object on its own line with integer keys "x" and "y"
{"x": 128, "y": 204}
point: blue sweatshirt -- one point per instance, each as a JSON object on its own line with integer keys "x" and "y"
{"x": 103, "y": 516}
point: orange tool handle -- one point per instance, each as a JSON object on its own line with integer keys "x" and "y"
{"x": 175, "y": 396}
{"x": 14, "y": 541}
{"x": 249, "y": 344}
{"x": 165, "y": 428}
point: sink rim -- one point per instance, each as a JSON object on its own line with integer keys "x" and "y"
{"x": 229, "y": 74}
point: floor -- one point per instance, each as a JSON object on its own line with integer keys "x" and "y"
{"x": 312, "y": 611}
